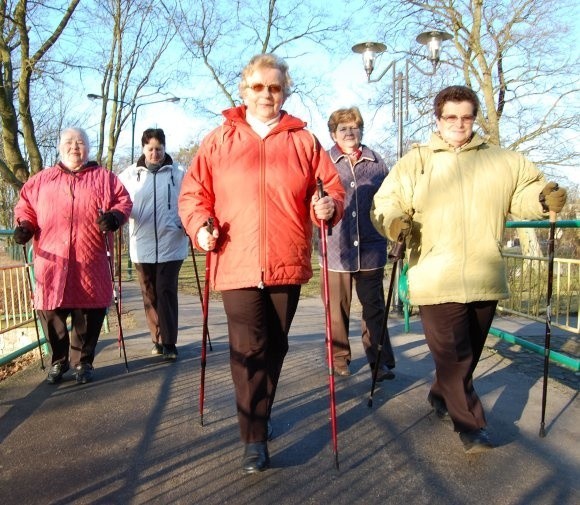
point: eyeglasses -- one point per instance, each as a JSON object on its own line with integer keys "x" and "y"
{"x": 452, "y": 119}
{"x": 344, "y": 130}
{"x": 259, "y": 87}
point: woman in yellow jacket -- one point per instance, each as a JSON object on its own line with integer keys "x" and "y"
{"x": 451, "y": 199}
{"x": 256, "y": 177}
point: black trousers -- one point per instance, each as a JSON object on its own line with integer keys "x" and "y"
{"x": 159, "y": 285}
{"x": 371, "y": 294}
{"x": 258, "y": 324}
{"x": 456, "y": 334}
{"x": 77, "y": 346}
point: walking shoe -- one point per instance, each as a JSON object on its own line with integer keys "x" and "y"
{"x": 170, "y": 352}
{"x": 56, "y": 372}
{"x": 439, "y": 407}
{"x": 475, "y": 441}
{"x": 383, "y": 373}
{"x": 157, "y": 349}
{"x": 84, "y": 373}
{"x": 256, "y": 458}
{"x": 341, "y": 368}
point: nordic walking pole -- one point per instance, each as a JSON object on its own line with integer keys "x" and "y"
{"x": 323, "y": 235}
{"x": 205, "y": 334}
{"x": 198, "y": 286}
{"x": 119, "y": 245}
{"x": 115, "y": 297}
{"x": 29, "y": 277}
{"x": 397, "y": 253}
{"x": 548, "y": 318}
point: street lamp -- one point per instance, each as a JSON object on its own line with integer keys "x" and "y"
{"x": 433, "y": 40}
{"x": 134, "y": 109}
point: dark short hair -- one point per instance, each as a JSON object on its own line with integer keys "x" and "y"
{"x": 455, "y": 94}
{"x": 153, "y": 133}
{"x": 345, "y": 116}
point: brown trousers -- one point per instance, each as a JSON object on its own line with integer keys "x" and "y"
{"x": 456, "y": 334}
{"x": 258, "y": 324}
{"x": 370, "y": 292}
{"x": 77, "y": 346}
{"x": 159, "y": 284}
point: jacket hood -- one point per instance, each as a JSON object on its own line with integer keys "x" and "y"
{"x": 166, "y": 161}
{"x": 436, "y": 143}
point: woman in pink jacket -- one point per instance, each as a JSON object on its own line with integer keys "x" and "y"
{"x": 66, "y": 209}
{"x": 256, "y": 177}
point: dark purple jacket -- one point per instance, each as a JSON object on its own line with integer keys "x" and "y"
{"x": 354, "y": 244}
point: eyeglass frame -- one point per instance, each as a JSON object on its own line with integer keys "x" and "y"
{"x": 258, "y": 87}
{"x": 453, "y": 119}
{"x": 347, "y": 129}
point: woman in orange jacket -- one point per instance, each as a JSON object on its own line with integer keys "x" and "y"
{"x": 255, "y": 176}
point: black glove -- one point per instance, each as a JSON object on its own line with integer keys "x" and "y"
{"x": 400, "y": 227}
{"x": 108, "y": 222}
{"x": 23, "y": 232}
{"x": 552, "y": 198}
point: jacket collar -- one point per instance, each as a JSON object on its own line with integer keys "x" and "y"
{"x": 336, "y": 154}
{"x": 236, "y": 116}
{"x": 438, "y": 144}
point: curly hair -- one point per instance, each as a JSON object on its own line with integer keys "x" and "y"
{"x": 455, "y": 94}
{"x": 345, "y": 116}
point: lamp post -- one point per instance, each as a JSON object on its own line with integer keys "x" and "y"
{"x": 134, "y": 109}
{"x": 433, "y": 40}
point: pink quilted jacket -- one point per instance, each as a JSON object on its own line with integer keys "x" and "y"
{"x": 70, "y": 260}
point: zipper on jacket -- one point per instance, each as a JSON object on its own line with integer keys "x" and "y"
{"x": 262, "y": 211}
{"x": 169, "y": 195}
{"x": 155, "y": 216}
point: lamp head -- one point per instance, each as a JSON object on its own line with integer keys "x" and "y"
{"x": 92, "y": 96}
{"x": 433, "y": 40}
{"x": 369, "y": 51}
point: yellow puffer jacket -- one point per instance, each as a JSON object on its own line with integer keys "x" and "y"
{"x": 459, "y": 201}
{"x": 258, "y": 190}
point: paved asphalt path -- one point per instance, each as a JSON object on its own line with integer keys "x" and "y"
{"x": 135, "y": 438}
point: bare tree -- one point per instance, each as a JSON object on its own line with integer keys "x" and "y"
{"x": 223, "y": 36}
{"x": 132, "y": 39}
{"x": 28, "y": 32}
{"x": 515, "y": 55}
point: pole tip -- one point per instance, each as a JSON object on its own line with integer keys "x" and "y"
{"x": 370, "y": 403}
{"x": 542, "y": 432}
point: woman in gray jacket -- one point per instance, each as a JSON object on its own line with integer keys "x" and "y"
{"x": 158, "y": 244}
{"x": 451, "y": 198}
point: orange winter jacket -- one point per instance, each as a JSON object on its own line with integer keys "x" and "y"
{"x": 259, "y": 193}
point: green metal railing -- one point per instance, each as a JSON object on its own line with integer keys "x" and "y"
{"x": 527, "y": 276}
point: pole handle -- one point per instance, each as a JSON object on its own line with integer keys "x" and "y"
{"x": 552, "y": 216}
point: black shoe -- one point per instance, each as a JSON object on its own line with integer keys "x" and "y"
{"x": 157, "y": 349}
{"x": 56, "y": 372}
{"x": 269, "y": 430}
{"x": 439, "y": 407}
{"x": 256, "y": 458}
{"x": 383, "y": 373}
{"x": 84, "y": 373}
{"x": 170, "y": 352}
{"x": 341, "y": 368}
{"x": 475, "y": 441}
